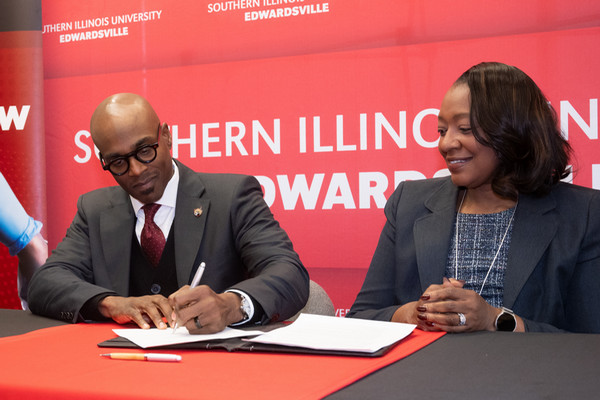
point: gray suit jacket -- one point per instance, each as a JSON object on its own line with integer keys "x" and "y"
{"x": 236, "y": 235}
{"x": 552, "y": 278}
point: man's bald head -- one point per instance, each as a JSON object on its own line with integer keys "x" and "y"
{"x": 120, "y": 111}
{"x": 121, "y": 125}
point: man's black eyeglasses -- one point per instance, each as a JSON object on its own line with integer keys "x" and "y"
{"x": 120, "y": 164}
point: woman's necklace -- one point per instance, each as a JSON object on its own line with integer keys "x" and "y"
{"x": 497, "y": 252}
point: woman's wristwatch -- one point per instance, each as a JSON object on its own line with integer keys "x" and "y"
{"x": 506, "y": 321}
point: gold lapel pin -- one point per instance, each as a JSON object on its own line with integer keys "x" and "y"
{"x": 197, "y": 212}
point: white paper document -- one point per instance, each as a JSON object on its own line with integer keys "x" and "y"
{"x": 335, "y": 333}
{"x": 162, "y": 337}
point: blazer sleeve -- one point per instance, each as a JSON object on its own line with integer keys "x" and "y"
{"x": 377, "y": 298}
{"x": 580, "y": 295}
{"x": 65, "y": 282}
{"x": 277, "y": 279}
{"x": 583, "y": 306}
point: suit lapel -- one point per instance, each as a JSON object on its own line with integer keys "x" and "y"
{"x": 534, "y": 227}
{"x": 116, "y": 231}
{"x": 189, "y": 223}
{"x": 432, "y": 233}
{"x": 533, "y": 230}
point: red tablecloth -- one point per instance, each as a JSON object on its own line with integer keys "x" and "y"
{"x": 64, "y": 363}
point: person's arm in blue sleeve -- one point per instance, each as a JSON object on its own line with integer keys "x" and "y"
{"x": 21, "y": 234}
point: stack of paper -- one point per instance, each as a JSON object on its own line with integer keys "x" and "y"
{"x": 309, "y": 331}
{"x": 333, "y": 333}
{"x": 163, "y": 337}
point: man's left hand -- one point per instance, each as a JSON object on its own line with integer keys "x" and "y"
{"x": 141, "y": 310}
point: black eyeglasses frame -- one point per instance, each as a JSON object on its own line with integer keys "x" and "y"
{"x": 134, "y": 154}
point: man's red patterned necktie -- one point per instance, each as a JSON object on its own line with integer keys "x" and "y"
{"x": 152, "y": 238}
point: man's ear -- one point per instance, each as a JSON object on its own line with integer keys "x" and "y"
{"x": 165, "y": 131}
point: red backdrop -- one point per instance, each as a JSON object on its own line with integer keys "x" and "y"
{"x": 329, "y": 106}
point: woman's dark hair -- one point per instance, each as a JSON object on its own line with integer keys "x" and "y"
{"x": 510, "y": 114}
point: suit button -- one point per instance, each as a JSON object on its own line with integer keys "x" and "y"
{"x": 155, "y": 288}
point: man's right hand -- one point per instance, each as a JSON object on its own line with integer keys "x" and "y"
{"x": 144, "y": 310}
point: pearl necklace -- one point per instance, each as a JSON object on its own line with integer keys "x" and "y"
{"x": 497, "y": 252}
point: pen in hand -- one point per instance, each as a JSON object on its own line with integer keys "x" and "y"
{"x": 195, "y": 282}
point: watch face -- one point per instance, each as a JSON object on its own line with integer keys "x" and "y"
{"x": 245, "y": 308}
{"x": 506, "y": 322}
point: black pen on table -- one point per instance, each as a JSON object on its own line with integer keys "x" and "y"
{"x": 195, "y": 282}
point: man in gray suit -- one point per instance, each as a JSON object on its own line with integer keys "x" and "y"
{"x": 101, "y": 271}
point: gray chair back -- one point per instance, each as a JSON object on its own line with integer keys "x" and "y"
{"x": 318, "y": 302}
